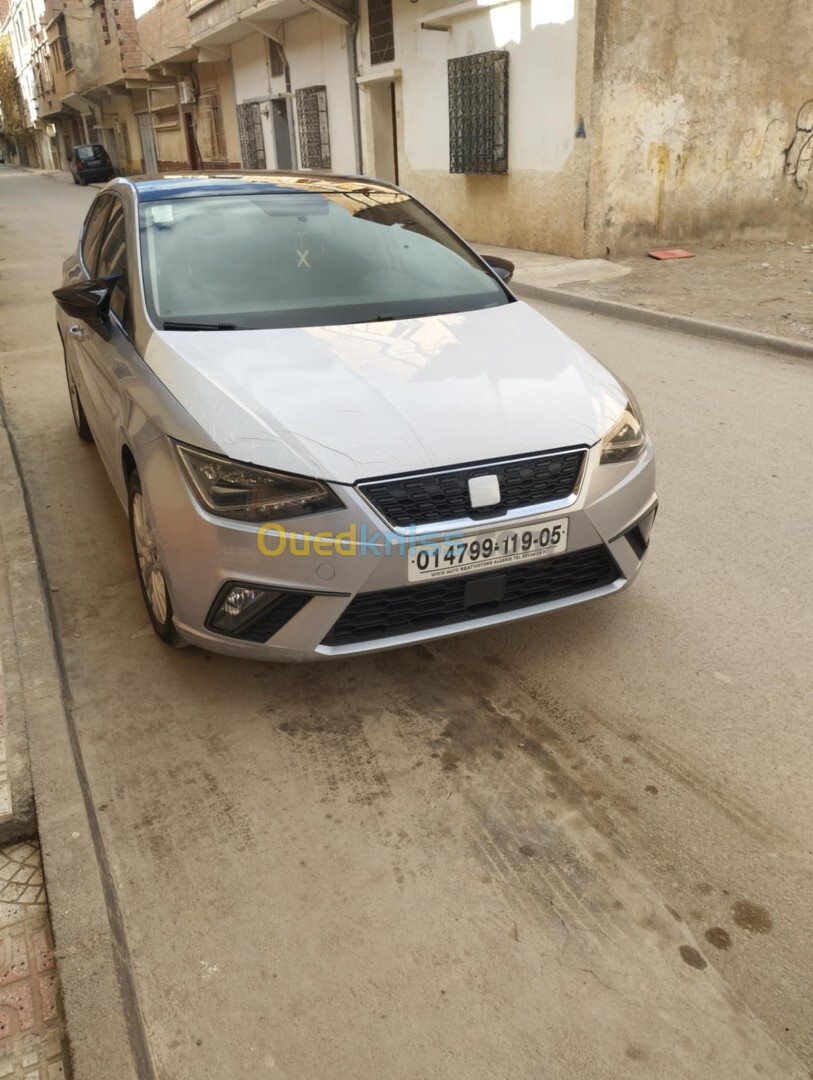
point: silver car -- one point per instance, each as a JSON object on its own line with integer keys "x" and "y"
{"x": 333, "y": 426}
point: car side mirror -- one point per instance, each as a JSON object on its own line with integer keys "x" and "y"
{"x": 501, "y": 267}
{"x": 88, "y": 301}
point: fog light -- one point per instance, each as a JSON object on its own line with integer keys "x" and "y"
{"x": 241, "y": 603}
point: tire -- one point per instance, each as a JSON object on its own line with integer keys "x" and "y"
{"x": 81, "y": 181}
{"x": 79, "y": 418}
{"x": 148, "y": 566}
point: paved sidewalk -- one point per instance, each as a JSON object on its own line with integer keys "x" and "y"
{"x": 761, "y": 288}
{"x": 32, "y": 1041}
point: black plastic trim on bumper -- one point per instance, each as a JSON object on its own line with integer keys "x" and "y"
{"x": 282, "y": 605}
{"x": 393, "y": 612}
{"x": 638, "y": 534}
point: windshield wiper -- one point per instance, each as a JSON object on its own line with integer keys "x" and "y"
{"x": 170, "y": 325}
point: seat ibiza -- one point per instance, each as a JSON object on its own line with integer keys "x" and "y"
{"x": 333, "y": 426}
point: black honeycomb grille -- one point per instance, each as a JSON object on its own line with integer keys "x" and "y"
{"x": 441, "y": 603}
{"x": 424, "y": 498}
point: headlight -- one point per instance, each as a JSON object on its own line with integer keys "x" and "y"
{"x": 625, "y": 440}
{"x": 247, "y": 493}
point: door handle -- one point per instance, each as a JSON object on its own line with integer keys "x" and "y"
{"x": 77, "y": 332}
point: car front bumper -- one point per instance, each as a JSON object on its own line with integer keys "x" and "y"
{"x": 324, "y": 585}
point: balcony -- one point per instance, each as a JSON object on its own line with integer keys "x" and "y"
{"x": 215, "y": 22}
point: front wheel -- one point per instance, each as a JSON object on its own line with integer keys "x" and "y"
{"x": 148, "y": 564}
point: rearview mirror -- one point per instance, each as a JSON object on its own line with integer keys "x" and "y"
{"x": 88, "y": 301}
{"x": 501, "y": 267}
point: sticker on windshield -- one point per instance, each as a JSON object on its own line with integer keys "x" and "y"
{"x": 162, "y": 214}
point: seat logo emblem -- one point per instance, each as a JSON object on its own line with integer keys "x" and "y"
{"x": 484, "y": 491}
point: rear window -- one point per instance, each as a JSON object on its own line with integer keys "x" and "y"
{"x": 286, "y": 260}
{"x": 85, "y": 153}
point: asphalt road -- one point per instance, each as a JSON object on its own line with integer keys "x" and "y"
{"x": 579, "y": 846}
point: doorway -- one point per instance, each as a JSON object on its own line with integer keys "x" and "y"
{"x": 148, "y": 149}
{"x": 192, "y": 148}
{"x": 384, "y": 116}
{"x": 282, "y": 133}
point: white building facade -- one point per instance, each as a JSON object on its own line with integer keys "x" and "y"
{"x": 24, "y": 30}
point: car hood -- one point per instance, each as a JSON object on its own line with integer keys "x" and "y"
{"x": 351, "y": 402}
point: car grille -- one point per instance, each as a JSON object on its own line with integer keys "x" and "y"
{"x": 424, "y": 607}
{"x": 424, "y": 498}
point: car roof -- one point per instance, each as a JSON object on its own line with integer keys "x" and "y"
{"x": 198, "y": 184}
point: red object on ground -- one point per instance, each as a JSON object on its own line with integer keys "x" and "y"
{"x": 671, "y": 253}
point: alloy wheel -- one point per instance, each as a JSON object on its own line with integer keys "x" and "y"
{"x": 149, "y": 561}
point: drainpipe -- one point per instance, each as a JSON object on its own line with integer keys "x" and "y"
{"x": 336, "y": 9}
{"x": 355, "y": 103}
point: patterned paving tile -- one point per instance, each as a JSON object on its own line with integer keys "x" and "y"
{"x": 32, "y": 1044}
{"x": 21, "y": 874}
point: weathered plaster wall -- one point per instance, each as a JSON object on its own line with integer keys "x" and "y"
{"x": 161, "y": 27}
{"x": 540, "y": 203}
{"x": 702, "y": 122}
{"x": 117, "y": 36}
{"x": 315, "y": 47}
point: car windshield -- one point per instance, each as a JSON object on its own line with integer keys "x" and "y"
{"x": 87, "y": 152}
{"x": 304, "y": 259}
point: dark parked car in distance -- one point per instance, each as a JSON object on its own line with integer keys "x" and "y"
{"x": 90, "y": 162}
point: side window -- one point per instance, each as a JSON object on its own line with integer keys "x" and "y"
{"x": 92, "y": 232}
{"x": 113, "y": 262}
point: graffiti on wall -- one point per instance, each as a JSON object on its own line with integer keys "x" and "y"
{"x": 799, "y": 155}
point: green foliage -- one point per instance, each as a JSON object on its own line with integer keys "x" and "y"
{"x": 11, "y": 99}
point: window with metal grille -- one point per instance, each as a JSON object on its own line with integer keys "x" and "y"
{"x": 382, "y": 39}
{"x": 210, "y": 134}
{"x": 64, "y": 43}
{"x": 250, "y": 129}
{"x": 314, "y": 135}
{"x": 277, "y": 59}
{"x": 478, "y": 113}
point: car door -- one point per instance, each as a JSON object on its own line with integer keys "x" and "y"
{"x": 109, "y": 353}
{"x": 76, "y": 333}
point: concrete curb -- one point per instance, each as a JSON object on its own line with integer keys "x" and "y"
{"x": 661, "y": 320}
{"x": 21, "y": 822}
{"x": 92, "y": 967}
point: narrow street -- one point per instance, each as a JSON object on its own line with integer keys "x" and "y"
{"x": 578, "y": 846}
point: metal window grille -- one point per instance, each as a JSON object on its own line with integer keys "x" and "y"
{"x": 64, "y": 44}
{"x": 250, "y": 128}
{"x": 478, "y": 113}
{"x": 382, "y": 39}
{"x": 314, "y": 135}
{"x": 210, "y": 133}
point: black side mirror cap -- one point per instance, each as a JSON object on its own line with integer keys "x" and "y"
{"x": 501, "y": 267}
{"x": 88, "y": 301}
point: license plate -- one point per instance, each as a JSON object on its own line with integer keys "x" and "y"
{"x": 481, "y": 551}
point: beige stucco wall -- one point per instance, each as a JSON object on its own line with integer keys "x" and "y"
{"x": 695, "y": 107}
{"x": 540, "y": 203}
